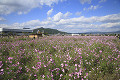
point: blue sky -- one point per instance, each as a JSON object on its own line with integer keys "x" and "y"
{"x": 64, "y": 15}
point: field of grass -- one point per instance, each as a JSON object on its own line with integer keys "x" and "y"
{"x": 60, "y": 58}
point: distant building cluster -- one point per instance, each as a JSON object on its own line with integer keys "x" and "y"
{"x": 29, "y": 33}
{"x": 7, "y": 31}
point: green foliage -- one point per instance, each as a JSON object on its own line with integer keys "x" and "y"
{"x": 48, "y": 31}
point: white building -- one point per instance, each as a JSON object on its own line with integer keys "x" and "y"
{"x": 15, "y": 31}
{"x": 75, "y": 34}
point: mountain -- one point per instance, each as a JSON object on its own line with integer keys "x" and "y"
{"x": 116, "y": 32}
{"x": 48, "y": 31}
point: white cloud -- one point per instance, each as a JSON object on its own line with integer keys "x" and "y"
{"x": 67, "y": 14}
{"x": 85, "y": 1}
{"x": 79, "y": 24}
{"x": 49, "y": 19}
{"x": 110, "y": 25}
{"x": 2, "y": 19}
{"x": 49, "y": 12}
{"x": 78, "y": 13}
{"x": 32, "y": 23}
{"x": 110, "y": 18}
{"x": 4, "y": 26}
{"x": 102, "y": 1}
{"x": 23, "y": 6}
{"x": 60, "y": 16}
{"x": 92, "y": 8}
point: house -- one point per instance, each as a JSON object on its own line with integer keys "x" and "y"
{"x": 35, "y": 35}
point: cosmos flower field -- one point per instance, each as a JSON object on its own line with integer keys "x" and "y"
{"x": 60, "y": 58}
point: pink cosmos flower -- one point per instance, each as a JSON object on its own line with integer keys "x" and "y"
{"x": 40, "y": 52}
{"x": 64, "y": 61}
{"x": 10, "y": 58}
{"x": 80, "y": 62}
{"x": 62, "y": 65}
{"x": 44, "y": 65}
{"x": 76, "y": 65}
{"x": 63, "y": 70}
{"x": 100, "y": 51}
{"x": 18, "y": 63}
{"x": 20, "y": 67}
{"x": 51, "y": 75}
{"x": 2, "y": 70}
{"x": 50, "y": 59}
{"x": 76, "y": 68}
{"x": 66, "y": 64}
{"x": 33, "y": 67}
{"x": 10, "y": 61}
{"x": 84, "y": 76}
{"x": 61, "y": 75}
{"x": 35, "y": 75}
{"x": 80, "y": 53}
{"x": 48, "y": 76}
{"x": 43, "y": 76}
{"x": 39, "y": 63}
{"x": 70, "y": 75}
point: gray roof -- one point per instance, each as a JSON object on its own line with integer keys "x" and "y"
{"x": 15, "y": 30}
